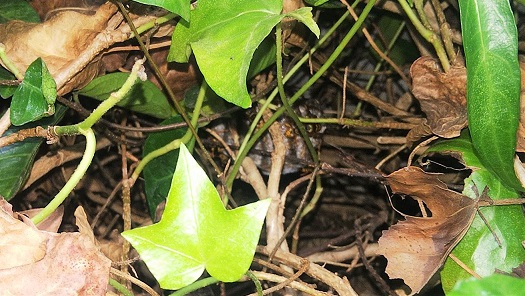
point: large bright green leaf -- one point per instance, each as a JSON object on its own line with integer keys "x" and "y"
{"x": 196, "y": 232}
{"x": 17, "y": 159}
{"x": 478, "y": 249}
{"x": 17, "y": 10}
{"x": 493, "y": 83}
{"x": 180, "y": 7}
{"x": 144, "y": 97}
{"x": 494, "y": 285}
{"x": 35, "y": 96}
{"x": 159, "y": 171}
{"x": 224, "y": 35}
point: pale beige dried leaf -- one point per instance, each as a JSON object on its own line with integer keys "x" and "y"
{"x": 418, "y": 246}
{"x": 83, "y": 224}
{"x": 442, "y": 96}
{"x": 50, "y": 224}
{"x": 20, "y": 244}
{"x": 72, "y": 266}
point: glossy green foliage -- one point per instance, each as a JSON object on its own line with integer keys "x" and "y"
{"x": 493, "y": 84}
{"x": 7, "y": 91}
{"x": 144, "y": 97}
{"x": 179, "y": 7}
{"x": 196, "y": 232}
{"x": 478, "y": 249}
{"x": 17, "y": 10}
{"x": 223, "y": 36}
{"x": 17, "y": 159}
{"x": 494, "y": 285}
{"x": 325, "y": 3}
{"x": 159, "y": 171}
{"x": 35, "y": 96}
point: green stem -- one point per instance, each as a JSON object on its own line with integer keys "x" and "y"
{"x": 115, "y": 97}
{"x": 195, "y": 286}
{"x": 360, "y": 123}
{"x": 429, "y": 35}
{"x": 175, "y": 144}
{"x": 301, "y": 91}
{"x": 288, "y": 75}
{"x": 120, "y": 287}
{"x": 256, "y": 281}
{"x": 284, "y": 99}
{"x": 136, "y": 72}
{"x": 154, "y": 23}
{"x": 91, "y": 144}
{"x": 10, "y": 66}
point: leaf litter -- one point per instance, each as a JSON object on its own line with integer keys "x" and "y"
{"x": 48, "y": 263}
{"x": 418, "y": 246}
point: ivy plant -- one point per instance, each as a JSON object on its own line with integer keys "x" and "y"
{"x": 196, "y": 232}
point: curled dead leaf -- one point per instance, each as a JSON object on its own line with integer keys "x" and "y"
{"x": 442, "y": 97}
{"x": 418, "y": 246}
{"x": 20, "y": 244}
{"x": 59, "y": 41}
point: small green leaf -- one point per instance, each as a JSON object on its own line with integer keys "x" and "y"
{"x": 159, "y": 171}
{"x": 494, "y": 285}
{"x": 196, "y": 232}
{"x": 145, "y": 97}
{"x": 179, "y": 7}
{"x": 223, "y": 36}
{"x": 325, "y": 3}
{"x": 304, "y": 15}
{"x": 17, "y": 10}
{"x": 493, "y": 84}
{"x": 478, "y": 249}
{"x": 35, "y": 96}
{"x": 17, "y": 159}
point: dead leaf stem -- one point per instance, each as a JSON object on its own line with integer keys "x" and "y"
{"x": 135, "y": 281}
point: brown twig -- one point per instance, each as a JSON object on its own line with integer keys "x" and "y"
{"x": 288, "y": 281}
{"x": 340, "y": 285}
{"x": 379, "y": 280}
{"x": 297, "y": 216}
{"x": 35, "y": 132}
{"x": 376, "y": 48}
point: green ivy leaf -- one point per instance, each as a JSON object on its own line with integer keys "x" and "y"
{"x": 493, "y": 84}
{"x": 478, "y": 249}
{"x": 35, "y": 96}
{"x": 159, "y": 171}
{"x": 17, "y": 10}
{"x": 223, "y": 36}
{"x": 196, "y": 232}
{"x": 7, "y": 91}
{"x": 144, "y": 97}
{"x": 17, "y": 159}
{"x": 494, "y": 285}
{"x": 179, "y": 7}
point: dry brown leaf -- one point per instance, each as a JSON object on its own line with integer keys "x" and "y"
{"x": 442, "y": 97}
{"x": 50, "y": 224}
{"x": 417, "y": 247}
{"x": 58, "y": 41}
{"x": 35, "y": 262}
{"x": 20, "y": 244}
{"x": 73, "y": 265}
